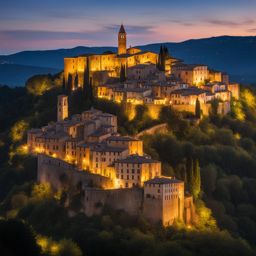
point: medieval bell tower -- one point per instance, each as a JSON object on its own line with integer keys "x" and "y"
{"x": 122, "y": 40}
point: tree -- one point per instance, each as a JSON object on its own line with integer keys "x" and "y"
{"x": 39, "y": 84}
{"x": 162, "y": 56}
{"x": 18, "y": 130}
{"x": 86, "y": 76}
{"x": 189, "y": 172}
{"x": 193, "y": 177}
{"x": 68, "y": 248}
{"x": 214, "y": 107}
{"x": 122, "y": 73}
{"x": 42, "y": 191}
{"x": 63, "y": 84}
{"x": 196, "y": 180}
{"x": 198, "y": 109}
{"x": 159, "y": 61}
{"x": 70, "y": 84}
{"x": 209, "y": 177}
{"x": 87, "y": 86}
{"x": 76, "y": 82}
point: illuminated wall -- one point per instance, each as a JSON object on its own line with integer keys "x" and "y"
{"x": 235, "y": 90}
{"x": 135, "y": 174}
{"x": 164, "y": 202}
{"x": 192, "y": 75}
{"x": 62, "y": 108}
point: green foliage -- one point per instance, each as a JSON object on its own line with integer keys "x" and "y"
{"x": 122, "y": 73}
{"x": 18, "y": 130}
{"x": 205, "y": 218}
{"x": 68, "y": 247}
{"x": 162, "y": 56}
{"x": 42, "y": 191}
{"x": 197, "y": 109}
{"x": 39, "y": 84}
{"x": 193, "y": 177}
{"x": 223, "y": 147}
{"x": 69, "y": 84}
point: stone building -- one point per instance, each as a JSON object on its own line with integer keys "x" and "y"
{"x": 86, "y": 151}
{"x": 164, "y": 200}
{"x": 134, "y": 170}
{"x": 74, "y": 67}
{"x": 191, "y": 74}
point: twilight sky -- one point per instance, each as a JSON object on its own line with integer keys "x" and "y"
{"x": 51, "y": 24}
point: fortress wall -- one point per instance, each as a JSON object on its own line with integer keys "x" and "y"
{"x": 188, "y": 108}
{"x": 160, "y": 128}
{"x": 60, "y": 173}
{"x": 129, "y": 200}
{"x": 189, "y": 210}
{"x": 152, "y": 209}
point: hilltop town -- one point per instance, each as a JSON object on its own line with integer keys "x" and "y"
{"x": 141, "y": 77}
{"x": 85, "y": 150}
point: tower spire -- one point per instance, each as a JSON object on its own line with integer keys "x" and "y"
{"x": 122, "y": 40}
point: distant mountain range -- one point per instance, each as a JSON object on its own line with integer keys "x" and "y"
{"x": 235, "y": 55}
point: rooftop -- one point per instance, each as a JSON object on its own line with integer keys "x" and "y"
{"x": 121, "y": 138}
{"x": 163, "y": 180}
{"x": 189, "y": 91}
{"x": 122, "y": 30}
{"x": 136, "y": 159}
{"x": 102, "y": 147}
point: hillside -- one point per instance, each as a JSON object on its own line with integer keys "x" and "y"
{"x": 235, "y": 55}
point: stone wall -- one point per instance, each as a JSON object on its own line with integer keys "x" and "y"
{"x": 189, "y": 210}
{"x": 59, "y": 173}
{"x": 223, "y": 108}
{"x": 160, "y": 128}
{"x": 130, "y": 200}
{"x": 153, "y": 209}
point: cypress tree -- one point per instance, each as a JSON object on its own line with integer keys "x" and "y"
{"x": 122, "y": 73}
{"x": 76, "y": 82}
{"x": 189, "y": 172}
{"x": 90, "y": 94}
{"x": 198, "y": 109}
{"x": 196, "y": 182}
{"x": 162, "y": 56}
{"x": 63, "y": 84}
{"x": 69, "y": 86}
{"x": 86, "y": 76}
{"x": 159, "y": 61}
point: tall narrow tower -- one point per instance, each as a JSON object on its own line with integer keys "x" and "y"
{"x": 122, "y": 40}
{"x": 62, "y": 108}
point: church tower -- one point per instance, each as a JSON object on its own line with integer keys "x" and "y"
{"x": 62, "y": 108}
{"x": 122, "y": 40}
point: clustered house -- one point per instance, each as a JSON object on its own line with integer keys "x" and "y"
{"x": 154, "y": 79}
{"x": 86, "y": 150}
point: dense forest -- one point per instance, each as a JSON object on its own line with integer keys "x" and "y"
{"x": 33, "y": 220}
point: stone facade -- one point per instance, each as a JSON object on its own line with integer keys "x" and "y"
{"x": 85, "y": 151}
{"x": 168, "y": 195}
{"x": 59, "y": 174}
{"x": 62, "y": 108}
{"x": 108, "y": 62}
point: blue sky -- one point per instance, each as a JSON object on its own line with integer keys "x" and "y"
{"x": 51, "y": 24}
